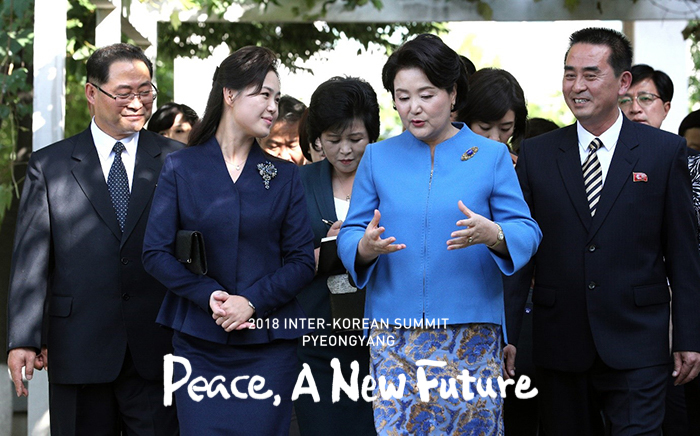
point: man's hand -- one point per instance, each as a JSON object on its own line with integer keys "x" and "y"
{"x": 509, "y": 361}
{"x": 19, "y": 358}
{"x": 686, "y": 366}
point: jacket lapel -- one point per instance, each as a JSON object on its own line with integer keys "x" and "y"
{"x": 323, "y": 192}
{"x": 88, "y": 173}
{"x": 619, "y": 173}
{"x": 569, "y": 162}
{"x": 146, "y": 172}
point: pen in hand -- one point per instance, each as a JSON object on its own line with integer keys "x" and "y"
{"x": 328, "y": 222}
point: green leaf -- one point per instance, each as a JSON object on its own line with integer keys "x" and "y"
{"x": 175, "y": 20}
{"x": 484, "y": 10}
{"x": 571, "y": 5}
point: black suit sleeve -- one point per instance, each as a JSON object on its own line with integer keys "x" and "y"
{"x": 29, "y": 273}
{"x": 517, "y": 286}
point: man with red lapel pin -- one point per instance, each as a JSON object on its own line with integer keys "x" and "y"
{"x": 613, "y": 200}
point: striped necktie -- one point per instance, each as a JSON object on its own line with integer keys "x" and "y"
{"x": 593, "y": 175}
{"x": 118, "y": 185}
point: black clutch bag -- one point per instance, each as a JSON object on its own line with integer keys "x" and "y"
{"x": 189, "y": 249}
{"x": 347, "y": 302}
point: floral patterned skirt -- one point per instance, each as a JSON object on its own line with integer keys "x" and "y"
{"x": 449, "y": 409}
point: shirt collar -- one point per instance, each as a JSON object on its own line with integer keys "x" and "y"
{"x": 105, "y": 143}
{"x": 608, "y": 138}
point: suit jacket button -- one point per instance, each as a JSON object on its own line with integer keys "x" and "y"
{"x": 592, "y": 248}
{"x": 126, "y": 297}
{"x": 124, "y": 261}
{"x": 591, "y": 285}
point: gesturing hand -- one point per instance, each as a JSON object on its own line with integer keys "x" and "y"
{"x": 479, "y": 230}
{"x": 372, "y": 245}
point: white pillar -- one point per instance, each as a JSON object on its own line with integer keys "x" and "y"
{"x": 109, "y": 23}
{"x": 660, "y": 44}
{"x": 49, "y": 72}
{"x": 47, "y": 127}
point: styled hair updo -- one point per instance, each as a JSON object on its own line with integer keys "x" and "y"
{"x": 441, "y": 65}
{"x": 247, "y": 66}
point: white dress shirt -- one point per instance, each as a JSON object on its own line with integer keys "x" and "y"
{"x": 608, "y": 138}
{"x": 104, "y": 145}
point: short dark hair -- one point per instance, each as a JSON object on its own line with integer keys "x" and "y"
{"x": 538, "y": 126}
{"x": 337, "y": 102}
{"x": 290, "y": 109}
{"x": 164, "y": 117}
{"x": 245, "y": 67}
{"x": 304, "y": 137}
{"x": 98, "y": 64}
{"x": 620, "y": 48}
{"x": 441, "y": 65}
{"x": 663, "y": 83}
{"x": 692, "y": 120}
{"x": 492, "y": 93}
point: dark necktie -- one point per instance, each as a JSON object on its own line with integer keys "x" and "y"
{"x": 593, "y": 175}
{"x": 118, "y": 185}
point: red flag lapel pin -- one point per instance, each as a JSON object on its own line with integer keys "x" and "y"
{"x": 639, "y": 177}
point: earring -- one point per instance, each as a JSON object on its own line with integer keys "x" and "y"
{"x": 452, "y": 108}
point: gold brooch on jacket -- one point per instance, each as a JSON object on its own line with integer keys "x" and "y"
{"x": 470, "y": 153}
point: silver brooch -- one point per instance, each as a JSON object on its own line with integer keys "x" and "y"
{"x": 470, "y": 153}
{"x": 268, "y": 172}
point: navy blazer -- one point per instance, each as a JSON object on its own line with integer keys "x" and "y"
{"x": 71, "y": 256}
{"x": 316, "y": 177}
{"x": 601, "y": 282}
{"x": 258, "y": 242}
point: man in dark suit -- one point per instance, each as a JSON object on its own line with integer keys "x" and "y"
{"x": 613, "y": 200}
{"x": 78, "y": 286}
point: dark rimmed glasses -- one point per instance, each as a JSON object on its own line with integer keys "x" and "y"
{"x": 643, "y": 99}
{"x": 125, "y": 99}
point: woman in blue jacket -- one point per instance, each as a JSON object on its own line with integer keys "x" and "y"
{"x": 436, "y": 216}
{"x": 232, "y": 323}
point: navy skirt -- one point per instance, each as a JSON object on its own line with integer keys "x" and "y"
{"x": 257, "y": 403}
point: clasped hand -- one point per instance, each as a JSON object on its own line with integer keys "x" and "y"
{"x": 231, "y": 312}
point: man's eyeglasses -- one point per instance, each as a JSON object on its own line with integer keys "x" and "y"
{"x": 146, "y": 97}
{"x": 643, "y": 99}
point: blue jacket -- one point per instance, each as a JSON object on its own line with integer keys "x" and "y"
{"x": 425, "y": 280}
{"x": 259, "y": 242}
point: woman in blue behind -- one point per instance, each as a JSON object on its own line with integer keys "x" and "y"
{"x": 251, "y": 211}
{"x": 436, "y": 215}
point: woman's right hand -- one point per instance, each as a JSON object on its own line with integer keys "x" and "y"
{"x": 217, "y": 299}
{"x": 335, "y": 229}
{"x": 372, "y": 245}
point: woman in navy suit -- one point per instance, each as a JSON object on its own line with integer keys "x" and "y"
{"x": 343, "y": 117}
{"x": 232, "y": 323}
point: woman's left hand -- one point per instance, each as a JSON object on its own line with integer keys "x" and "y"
{"x": 238, "y": 313}
{"x": 479, "y": 230}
